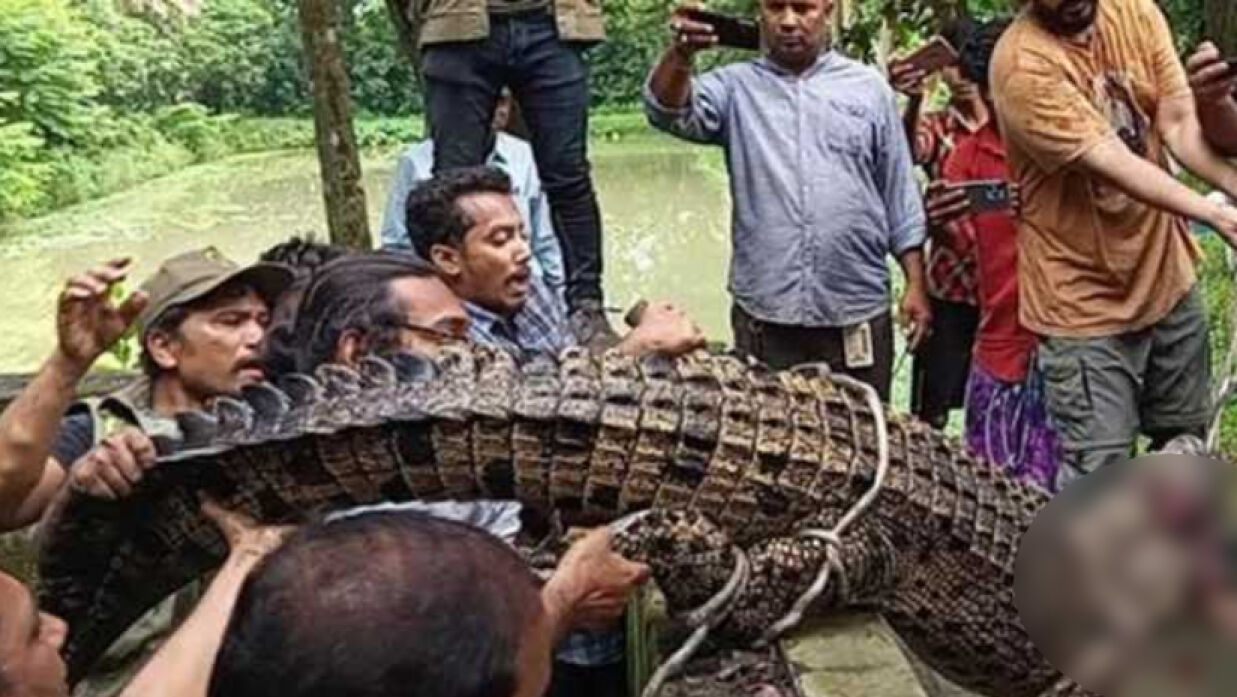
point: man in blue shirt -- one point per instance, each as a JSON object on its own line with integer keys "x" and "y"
{"x": 466, "y": 224}
{"x": 510, "y": 154}
{"x": 822, "y": 185}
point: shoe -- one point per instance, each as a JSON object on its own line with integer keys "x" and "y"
{"x": 591, "y": 328}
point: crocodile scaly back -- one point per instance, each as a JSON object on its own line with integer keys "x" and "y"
{"x": 753, "y": 457}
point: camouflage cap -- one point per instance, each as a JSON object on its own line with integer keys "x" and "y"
{"x": 193, "y": 275}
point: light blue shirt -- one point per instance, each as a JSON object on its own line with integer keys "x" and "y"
{"x": 821, "y": 180}
{"x": 512, "y": 155}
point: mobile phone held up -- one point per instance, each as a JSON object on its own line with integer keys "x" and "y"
{"x": 988, "y": 195}
{"x": 732, "y": 32}
{"x": 932, "y": 56}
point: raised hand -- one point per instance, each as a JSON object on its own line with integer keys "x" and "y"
{"x": 1211, "y": 77}
{"x": 907, "y": 79}
{"x": 87, "y": 320}
{"x": 690, "y": 37}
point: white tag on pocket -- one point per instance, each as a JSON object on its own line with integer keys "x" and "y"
{"x": 857, "y": 343}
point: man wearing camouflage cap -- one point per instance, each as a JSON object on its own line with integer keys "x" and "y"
{"x": 201, "y": 321}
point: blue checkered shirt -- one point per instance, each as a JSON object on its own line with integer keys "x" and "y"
{"x": 541, "y": 327}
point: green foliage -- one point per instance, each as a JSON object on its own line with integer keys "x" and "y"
{"x": 96, "y": 95}
{"x": 45, "y": 69}
{"x": 1218, "y": 288}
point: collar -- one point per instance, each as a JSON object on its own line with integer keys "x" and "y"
{"x": 824, "y": 60}
{"x": 489, "y": 319}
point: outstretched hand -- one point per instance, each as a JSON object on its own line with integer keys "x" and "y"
{"x": 87, "y": 320}
{"x": 592, "y": 584}
{"x": 247, "y": 540}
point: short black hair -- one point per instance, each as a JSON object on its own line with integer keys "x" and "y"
{"x": 169, "y": 321}
{"x": 432, "y": 212}
{"x": 303, "y": 254}
{"x": 975, "y": 56}
{"x": 958, "y": 31}
{"x": 349, "y": 293}
{"x": 381, "y": 604}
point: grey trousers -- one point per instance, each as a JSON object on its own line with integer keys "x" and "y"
{"x": 1103, "y": 392}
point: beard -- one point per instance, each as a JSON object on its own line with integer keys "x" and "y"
{"x": 1070, "y": 17}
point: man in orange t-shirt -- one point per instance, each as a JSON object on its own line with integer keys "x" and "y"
{"x": 1091, "y": 98}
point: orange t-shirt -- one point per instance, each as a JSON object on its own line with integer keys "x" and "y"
{"x": 1092, "y": 260}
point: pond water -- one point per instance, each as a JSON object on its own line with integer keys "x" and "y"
{"x": 665, "y": 208}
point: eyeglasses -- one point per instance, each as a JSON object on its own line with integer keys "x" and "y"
{"x": 433, "y": 335}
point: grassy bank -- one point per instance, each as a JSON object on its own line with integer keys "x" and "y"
{"x": 149, "y": 147}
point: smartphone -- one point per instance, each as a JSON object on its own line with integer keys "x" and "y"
{"x": 932, "y": 56}
{"x": 731, "y": 31}
{"x": 988, "y": 195}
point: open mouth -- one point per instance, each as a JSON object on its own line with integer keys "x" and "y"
{"x": 518, "y": 283}
{"x": 251, "y": 370}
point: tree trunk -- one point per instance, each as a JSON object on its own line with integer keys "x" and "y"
{"x": 1221, "y": 18}
{"x": 338, "y": 160}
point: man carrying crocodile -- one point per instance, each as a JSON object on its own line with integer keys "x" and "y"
{"x": 201, "y": 320}
{"x": 466, "y": 223}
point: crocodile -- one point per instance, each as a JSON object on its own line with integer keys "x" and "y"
{"x": 708, "y": 458}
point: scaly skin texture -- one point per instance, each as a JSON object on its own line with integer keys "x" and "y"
{"x": 723, "y": 452}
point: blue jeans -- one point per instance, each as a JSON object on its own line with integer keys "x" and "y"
{"x": 549, "y": 80}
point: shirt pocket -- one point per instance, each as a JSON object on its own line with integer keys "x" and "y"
{"x": 846, "y": 128}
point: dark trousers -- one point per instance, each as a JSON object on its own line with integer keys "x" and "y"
{"x": 549, "y": 80}
{"x": 943, "y": 363}
{"x": 588, "y": 681}
{"x": 783, "y": 346}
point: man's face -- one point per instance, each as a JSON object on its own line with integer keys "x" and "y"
{"x": 1066, "y": 17}
{"x": 30, "y": 643}
{"x": 794, "y": 30}
{"x": 218, "y": 348}
{"x": 491, "y": 267}
{"x": 433, "y": 315}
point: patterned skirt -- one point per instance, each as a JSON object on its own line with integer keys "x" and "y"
{"x": 1008, "y": 424}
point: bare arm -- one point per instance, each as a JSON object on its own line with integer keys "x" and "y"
{"x": 671, "y": 81}
{"x": 916, "y": 309}
{"x": 184, "y": 664}
{"x": 1180, "y": 128}
{"x": 87, "y": 325}
{"x": 1153, "y": 186}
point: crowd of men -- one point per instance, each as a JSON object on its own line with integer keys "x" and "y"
{"x": 1067, "y": 321}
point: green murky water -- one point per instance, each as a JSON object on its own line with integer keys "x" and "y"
{"x": 665, "y": 211}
